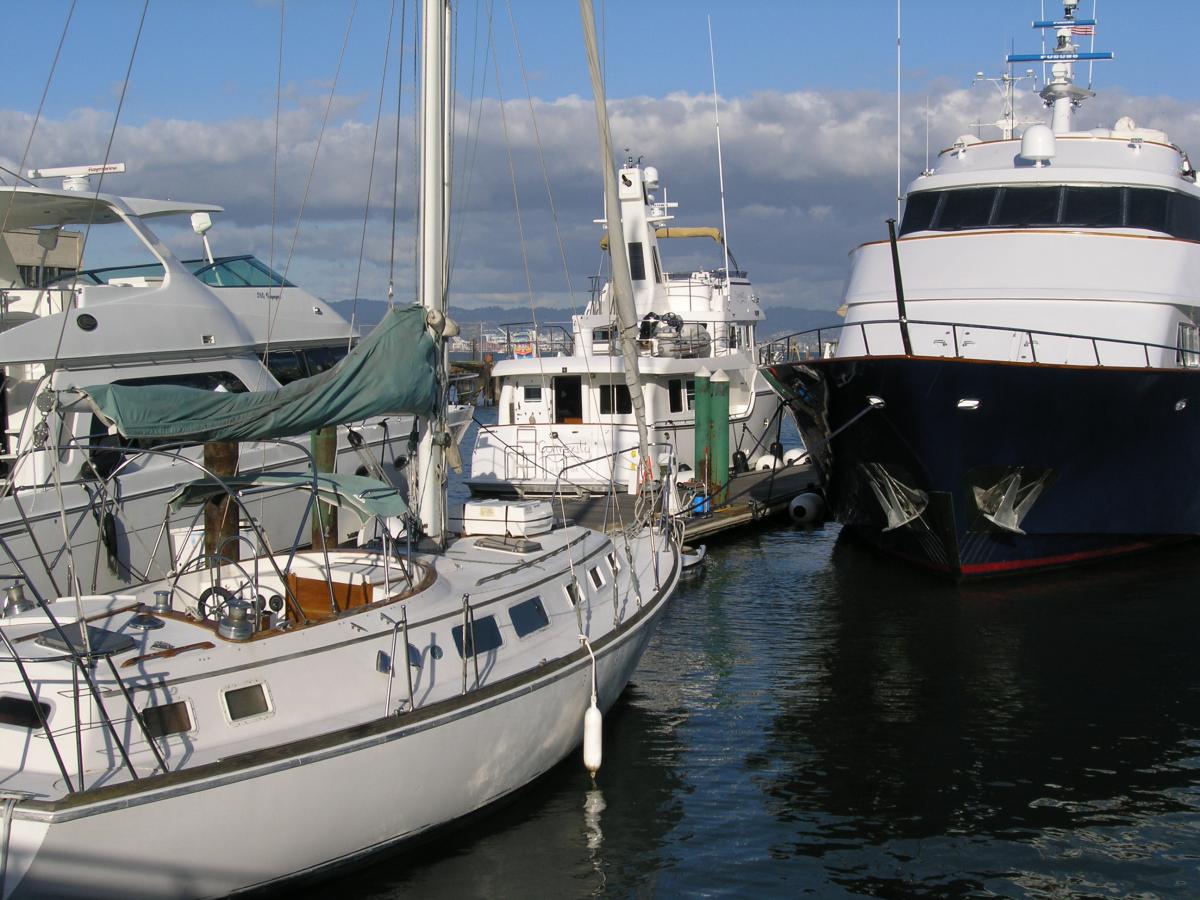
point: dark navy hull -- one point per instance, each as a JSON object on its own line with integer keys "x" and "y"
{"x": 983, "y": 468}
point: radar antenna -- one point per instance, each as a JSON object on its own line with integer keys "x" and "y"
{"x": 1061, "y": 93}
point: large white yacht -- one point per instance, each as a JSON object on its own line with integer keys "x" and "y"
{"x": 563, "y": 404}
{"x": 221, "y": 323}
{"x": 1015, "y": 385}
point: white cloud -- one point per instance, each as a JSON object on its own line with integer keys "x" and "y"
{"x": 808, "y": 176}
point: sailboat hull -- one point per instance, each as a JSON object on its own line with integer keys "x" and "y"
{"x": 975, "y": 468}
{"x": 221, "y": 828}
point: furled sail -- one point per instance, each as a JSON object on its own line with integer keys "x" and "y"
{"x": 391, "y": 371}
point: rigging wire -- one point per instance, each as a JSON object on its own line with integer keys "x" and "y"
{"x": 391, "y": 289}
{"x": 41, "y": 105}
{"x": 316, "y": 153}
{"x": 362, "y": 244}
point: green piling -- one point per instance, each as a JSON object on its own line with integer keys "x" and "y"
{"x": 718, "y": 424}
{"x": 702, "y": 406}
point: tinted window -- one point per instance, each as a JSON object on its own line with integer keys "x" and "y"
{"x": 597, "y": 578}
{"x": 529, "y": 616}
{"x": 485, "y": 636}
{"x": 966, "y": 209}
{"x": 919, "y": 210}
{"x": 1027, "y": 206}
{"x": 170, "y": 718}
{"x": 285, "y": 365}
{"x": 245, "y": 702}
{"x": 1184, "y": 218}
{"x": 1094, "y": 207}
{"x": 675, "y": 394}
{"x": 622, "y": 404}
{"x": 637, "y": 261}
{"x": 321, "y": 359}
{"x": 533, "y": 393}
{"x": 21, "y": 712}
{"x": 1147, "y": 209}
{"x": 204, "y": 381}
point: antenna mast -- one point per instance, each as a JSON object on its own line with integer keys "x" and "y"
{"x": 898, "y": 109}
{"x": 712, "y": 61}
{"x": 1061, "y": 93}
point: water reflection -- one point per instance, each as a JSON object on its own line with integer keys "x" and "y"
{"x": 562, "y": 837}
{"x": 1014, "y": 734}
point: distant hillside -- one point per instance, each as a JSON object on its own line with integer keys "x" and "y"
{"x": 780, "y": 320}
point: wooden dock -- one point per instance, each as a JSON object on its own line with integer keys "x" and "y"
{"x": 754, "y": 496}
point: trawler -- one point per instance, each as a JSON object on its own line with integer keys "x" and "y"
{"x": 1015, "y": 385}
{"x": 565, "y": 414}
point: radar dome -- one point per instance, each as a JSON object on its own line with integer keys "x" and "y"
{"x": 1037, "y": 144}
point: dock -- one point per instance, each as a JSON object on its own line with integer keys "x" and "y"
{"x": 754, "y": 496}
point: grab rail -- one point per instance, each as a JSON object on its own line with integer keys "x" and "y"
{"x": 791, "y": 349}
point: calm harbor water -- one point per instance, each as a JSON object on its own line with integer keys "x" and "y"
{"x": 812, "y": 720}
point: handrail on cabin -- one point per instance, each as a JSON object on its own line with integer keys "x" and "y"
{"x": 787, "y": 348}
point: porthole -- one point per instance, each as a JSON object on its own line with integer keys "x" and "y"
{"x": 246, "y": 702}
{"x": 528, "y": 616}
{"x": 169, "y": 718}
{"x": 484, "y": 637}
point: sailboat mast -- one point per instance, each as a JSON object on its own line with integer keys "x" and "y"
{"x": 431, "y": 459}
{"x": 622, "y": 283}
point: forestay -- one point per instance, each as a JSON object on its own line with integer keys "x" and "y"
{"x": 392, "y": 370}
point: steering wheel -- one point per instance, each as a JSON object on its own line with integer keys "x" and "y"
{"x": 214, "y": 602}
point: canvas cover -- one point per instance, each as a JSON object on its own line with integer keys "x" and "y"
{"x": 391, "y": 371}
{"x": 364, "y": 496}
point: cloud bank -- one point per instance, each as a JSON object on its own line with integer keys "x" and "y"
{"x": 808, "y": 176}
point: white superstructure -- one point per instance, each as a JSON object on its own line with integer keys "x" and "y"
{"x": 563, "y": 406}
{"x": 1055, "y": 246}
{"x": 226, "y": 324}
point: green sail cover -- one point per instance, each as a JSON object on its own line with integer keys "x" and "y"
{"x": 392, "y": 370}
{"x": 364, "y": 496}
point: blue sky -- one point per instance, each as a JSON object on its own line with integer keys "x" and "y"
{"x": 808, "y": 120}
{"x": 217, "y": 59}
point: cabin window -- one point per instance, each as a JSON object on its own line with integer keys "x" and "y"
{"x": 170, "y": 718}
{"x": 614, "y": 563}
{"x": 483, "y": 637}
{"x": 596, "y": 576}
{"x": 681, "y": 394}
{"x": 1188, "y": 354}
{"x": 528, "y": 616}
{"x": 1148, "y": 209}
{"x": 285, "y": 366}
{"x": 919, "y": 210}
{"x": 204, "y": 381}
{"x": 1028, "y": 206}
{"x": 1092, "y": 207}
{"x": 603, "y": 339}
{"x": 1155, "y": 209}
{"x": 1183, "y": 220}
{"x": 572, "y": 591}
{"x": 532, "y": 393}
{"x": 322, "y": 359}
{"x": 637, "y": 262}
{"x": 20, "y": 712}
{"x": 614, "y": 398}
{"x": 967, "y": 209}
{"x": 246, "y": 702}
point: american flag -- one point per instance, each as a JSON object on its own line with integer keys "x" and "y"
{"x": 1083, "y": 30}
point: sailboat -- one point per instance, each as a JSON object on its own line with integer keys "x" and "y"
{"x": 253, "y": 721}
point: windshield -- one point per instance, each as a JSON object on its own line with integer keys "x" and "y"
{"x": 225, "y": 271}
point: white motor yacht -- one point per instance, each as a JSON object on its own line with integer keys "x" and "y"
{"x": 1014, "y": 385}
{"x": 564, "y": 408}
{"x": 221, "y": 323}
